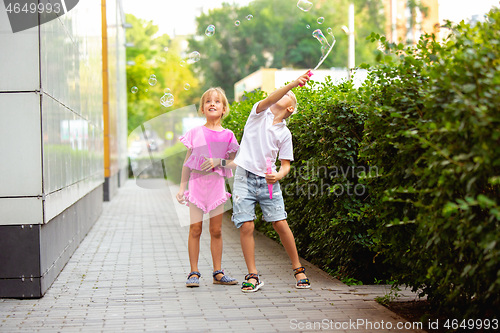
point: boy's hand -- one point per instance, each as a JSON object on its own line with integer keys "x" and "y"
{"x": 276, "y": 95}
{"x": 272, "y": 178}
{"x": 301, "y": 80}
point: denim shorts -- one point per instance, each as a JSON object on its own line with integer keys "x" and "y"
{"x": 250, "y": 189}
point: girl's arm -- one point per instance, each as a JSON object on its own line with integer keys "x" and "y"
{"x": 211, "y": 163}
{"x": 272, "y": 178}
{"x": 184, "y": 179}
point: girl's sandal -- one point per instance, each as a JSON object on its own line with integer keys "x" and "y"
{"x": 302, "y": 283}
{"x": 226, "y": 280}
{"x": 254, "y": 287}
{"x": 193, "y": 279}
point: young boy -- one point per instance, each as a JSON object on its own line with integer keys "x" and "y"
{"x": 265, "y": 135}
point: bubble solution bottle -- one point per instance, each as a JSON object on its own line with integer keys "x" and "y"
{"x": 269, "y": 171}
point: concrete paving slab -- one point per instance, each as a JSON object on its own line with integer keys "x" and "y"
{"x": 129, "y": 275}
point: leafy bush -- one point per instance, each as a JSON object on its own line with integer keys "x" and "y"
{"x": 173, "y": 159}
{"x": 323, "y": 193}
{"x": 432, "y": 127}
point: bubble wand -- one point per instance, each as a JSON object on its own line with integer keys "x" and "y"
{"x": 269, "y": 171}
{"x": 319, "y": 35}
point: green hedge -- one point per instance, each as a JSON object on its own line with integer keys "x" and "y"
{"x": 433, "y": 119}
{"x": 422, "y": 138}
{"x": 323, "y": 194}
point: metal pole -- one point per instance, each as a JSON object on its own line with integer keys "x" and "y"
{"x": 351, "y": 62}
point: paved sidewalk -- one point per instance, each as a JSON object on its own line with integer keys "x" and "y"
{"x": 129, "y": 272}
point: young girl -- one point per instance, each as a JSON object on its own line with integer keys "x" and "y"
{"x": 210, "y": 149}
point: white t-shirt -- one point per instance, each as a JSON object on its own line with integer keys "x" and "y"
{"x": 262, "y": 140}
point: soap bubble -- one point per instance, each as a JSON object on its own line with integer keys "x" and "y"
{"x": 210, "y": 30}
{"x": 167, "y": 100}
{"x": 249, "y": 17}
{"x": 304, "y": 5}
{"x": 166, "y": 90}
{"x": 165, "y": 49}
{"x": 237, "y": 23}
{"x": 152, "y": 80}
{"x": 329, "y": 31}
{"x": 187, "y": 86}
{"x": 182, "y": 63}
{"x": 308, "y": 26}
{"x": 318, "y": 34}
{"x": 321, "y": 20}
{"x": 134, "y": 90}
{"x": 193, "y": 57}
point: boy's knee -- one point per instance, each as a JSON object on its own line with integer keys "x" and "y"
{"x": 247, "y": 227}
{"x": 280, "y": 225}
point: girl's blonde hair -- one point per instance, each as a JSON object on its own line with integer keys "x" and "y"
{"x": 222, "y": 96}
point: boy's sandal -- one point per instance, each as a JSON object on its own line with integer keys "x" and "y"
{"x": 193, "y": 279}
{"x": 254, "y": 287}
{"x": 226, "y": 280}
{"x": 302, "y": 283}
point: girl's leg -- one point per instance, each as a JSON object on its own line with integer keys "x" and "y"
{"x": 216, "y": 236}
{"x": 288, "y": 241}
{"x": 195, "y": 228}
{"x": 216, "y": 246}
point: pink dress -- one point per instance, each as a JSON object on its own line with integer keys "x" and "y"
{"x": 207, "y": 191}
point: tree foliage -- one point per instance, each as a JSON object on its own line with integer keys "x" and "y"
{"x": 160, "y": 56}
{"x": 277, "y": 37}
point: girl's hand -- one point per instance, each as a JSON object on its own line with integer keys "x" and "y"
{"x": 210, "y": 163}
{"x": 180, "y": 197}
{"x": 272, "y": 178}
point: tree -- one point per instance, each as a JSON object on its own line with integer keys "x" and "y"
{"x": 159, "y": 56}
{"x": 277, "y": 35}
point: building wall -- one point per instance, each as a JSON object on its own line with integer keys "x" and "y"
{"x": 51, "y": 145}
{"x": 430, "y": 20}
{"x": 398, "y": 18}
{"x": 261, "y": 79}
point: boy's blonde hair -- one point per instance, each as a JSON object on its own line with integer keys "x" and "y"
{"x": 222, "y": 96}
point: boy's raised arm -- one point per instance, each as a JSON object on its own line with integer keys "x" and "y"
{"x": 279, "y": 93}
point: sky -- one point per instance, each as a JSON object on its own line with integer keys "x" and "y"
{"x": 177, "y": 17}
{"x": 457, "y": 10}
{"x": 174, "y": 17}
